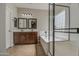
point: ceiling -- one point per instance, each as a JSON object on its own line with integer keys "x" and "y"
{"x": 42, "y": 6}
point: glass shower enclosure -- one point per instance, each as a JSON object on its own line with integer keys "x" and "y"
{"x": 60, "y": 31}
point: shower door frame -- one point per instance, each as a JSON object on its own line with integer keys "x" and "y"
{"x": 54, "y": 5}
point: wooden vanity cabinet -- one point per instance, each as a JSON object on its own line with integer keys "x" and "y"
{"x": 25, "y": 38}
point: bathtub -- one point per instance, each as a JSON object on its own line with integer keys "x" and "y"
{"x": 44, "y": 40}
{"x": 62, "y": 47}
{"x": 47, "y": 40}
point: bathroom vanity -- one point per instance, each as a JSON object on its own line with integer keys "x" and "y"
{"x": 25, "y": 37}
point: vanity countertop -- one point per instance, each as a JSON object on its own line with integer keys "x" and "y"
{"x": 23, "y": 30}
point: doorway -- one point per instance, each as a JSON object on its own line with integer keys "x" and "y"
{"x": 28, "y": 29}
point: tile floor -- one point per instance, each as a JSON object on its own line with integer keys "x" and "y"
{"x": 22, "y": 50}
{"x": 26, "y": 50}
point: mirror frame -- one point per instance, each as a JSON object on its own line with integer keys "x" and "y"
{"x": 19, "y": 21}
{"x": 32, "y": 19}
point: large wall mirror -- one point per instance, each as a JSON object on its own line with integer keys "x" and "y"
{"x": 32, "y": 23}
{"x": 22, "y": 23}
{"x": 25, "y": 23}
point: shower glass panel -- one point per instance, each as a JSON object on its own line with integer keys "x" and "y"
{"x": 63, "y": 46}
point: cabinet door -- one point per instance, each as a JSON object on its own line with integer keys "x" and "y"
{"x": 29, "y": 38}
{"x": 34, "y": 34}
{"x": 19, "y": 38}
{"x": 16, "y": 37}
{"x": 22, "y": 38}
